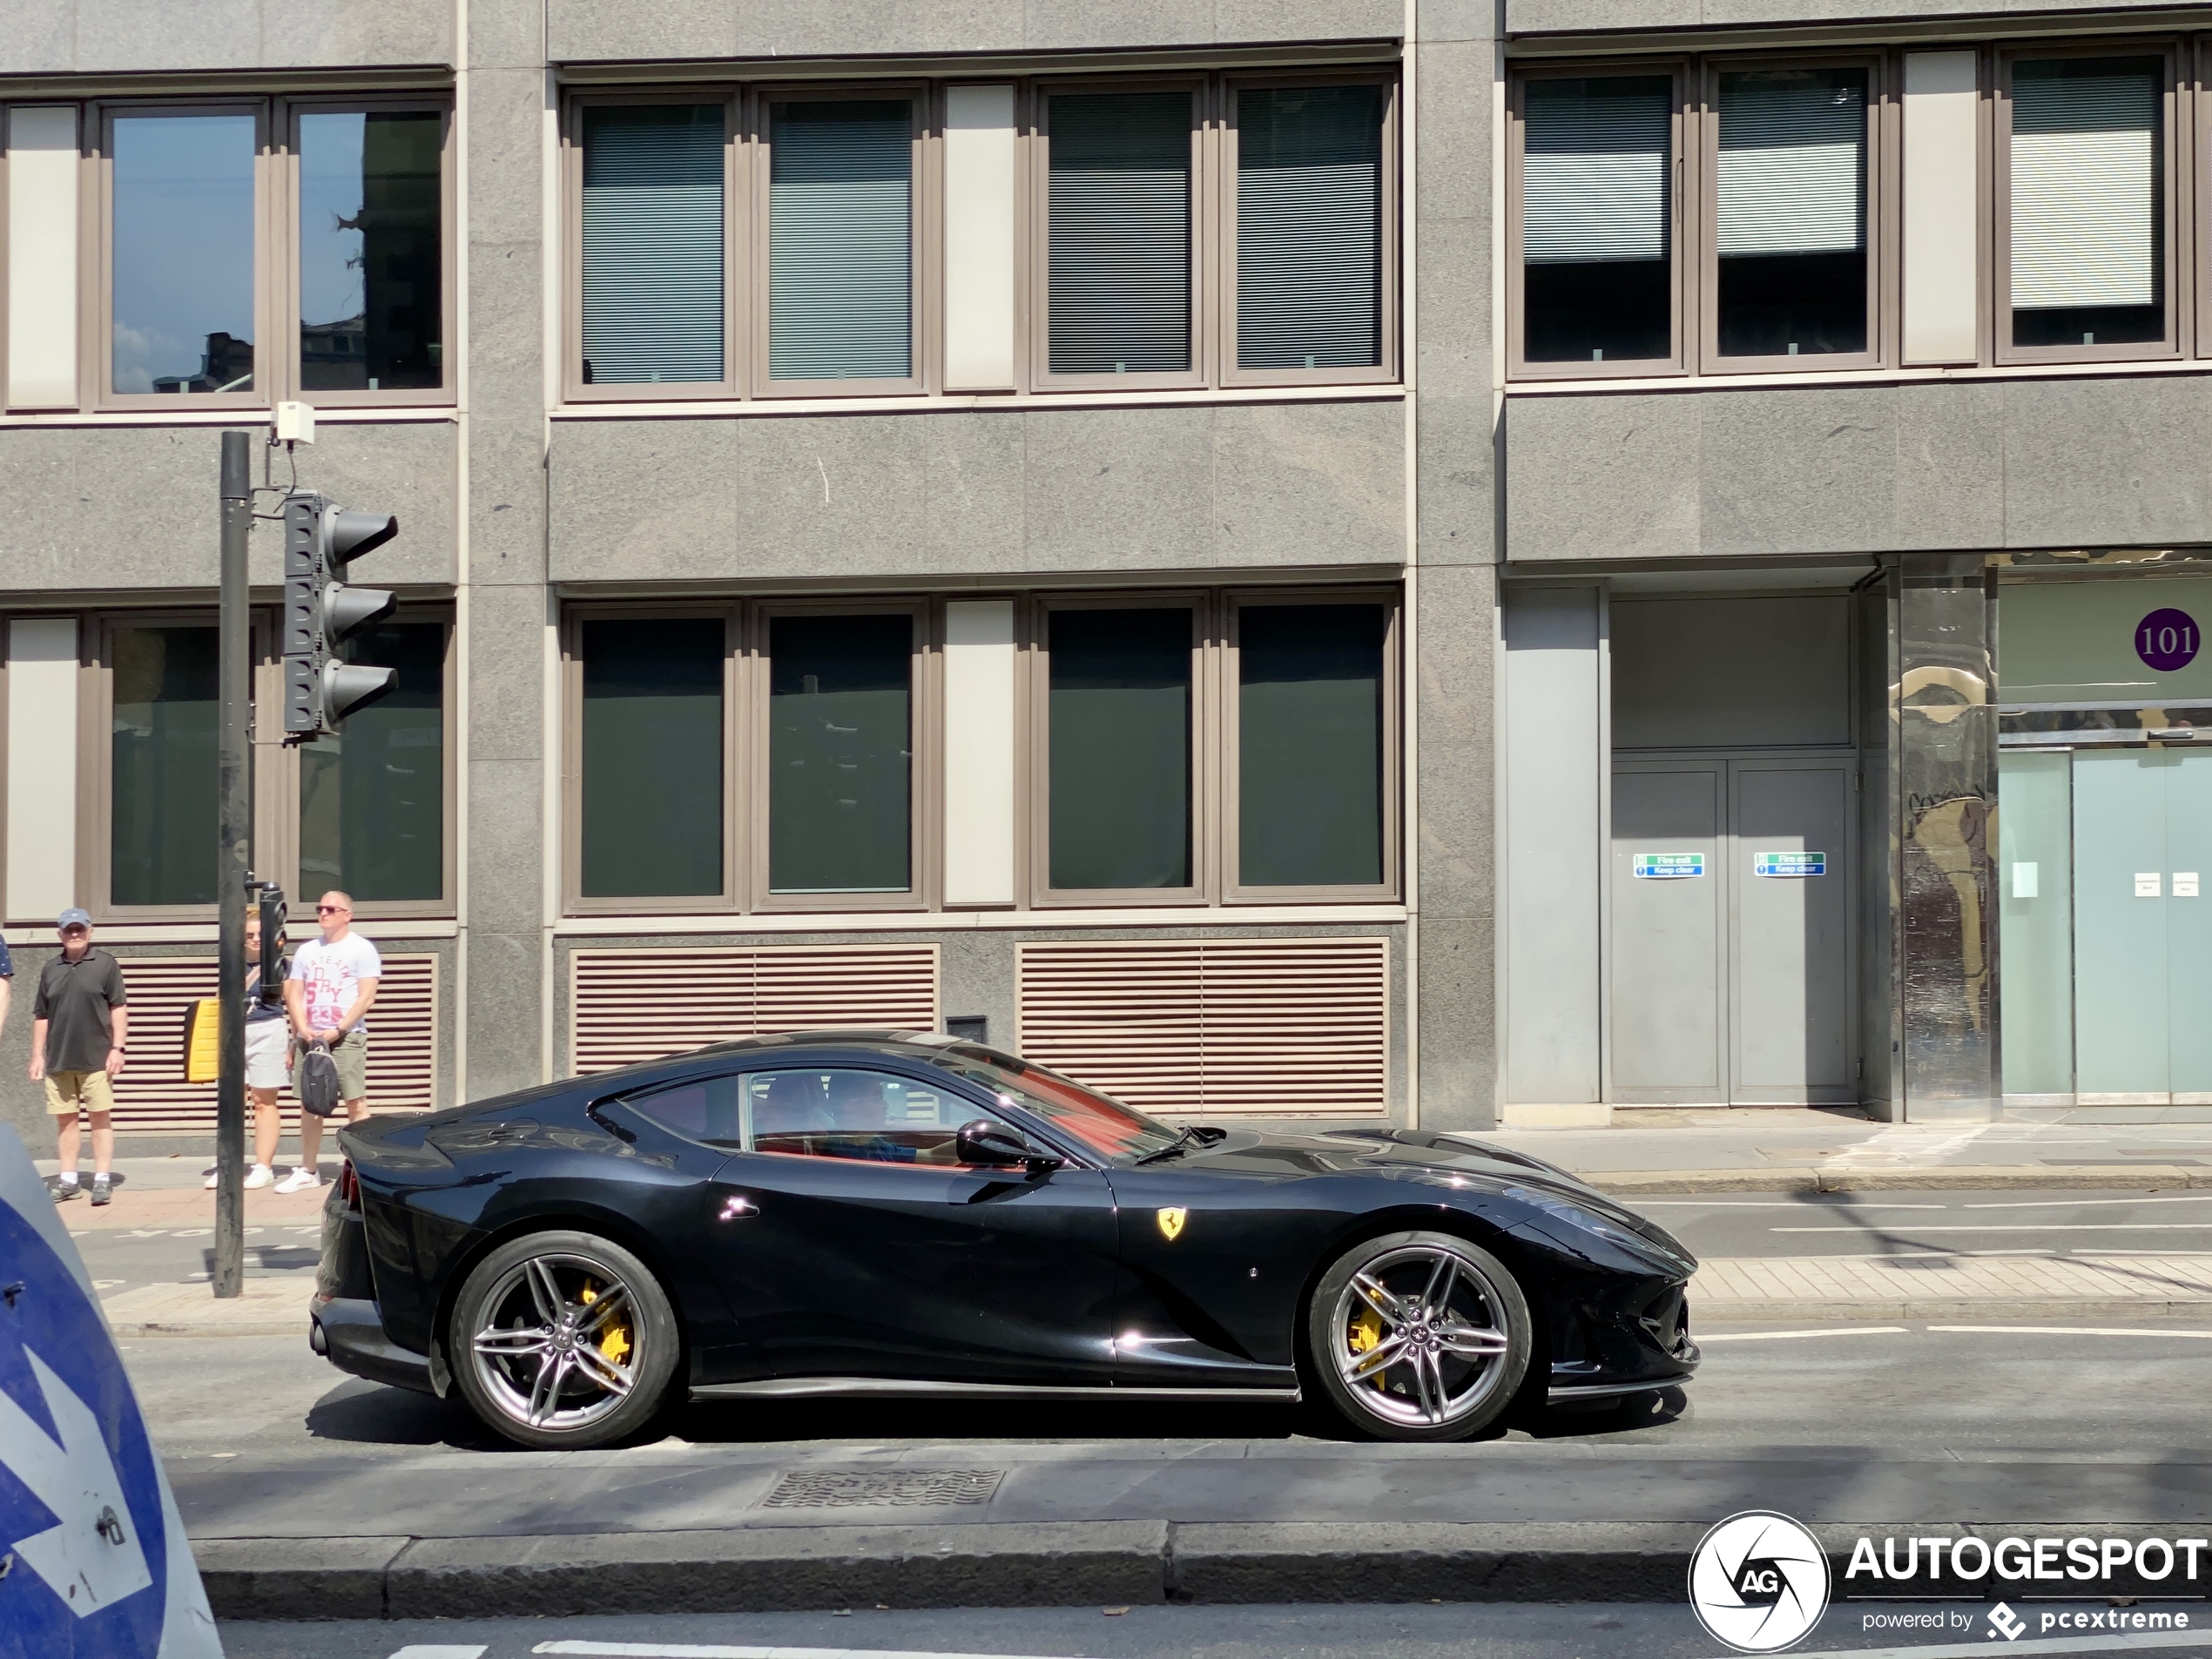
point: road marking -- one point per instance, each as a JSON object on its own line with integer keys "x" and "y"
{"x": 700, "y": 1650}
{"x": 1778, "y": 1336}
{"x": 1775, "y": 1203}
{"x": 2100, "y": 1645}
{"x": 2033, "y": 1227}
{"x": 2070, "y": 1331}
{"x": 2069, "y": 1203}
{"x": 441, "y": 1651}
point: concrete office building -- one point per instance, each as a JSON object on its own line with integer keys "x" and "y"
{"x": 1311, "y": 559}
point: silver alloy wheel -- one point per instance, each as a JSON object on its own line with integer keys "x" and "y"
{"x": 542, "y": 1354}
{"x": 1417, "y": 1336}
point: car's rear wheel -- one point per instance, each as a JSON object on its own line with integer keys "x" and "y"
{"x": 562, "y": 1340}
{"x": 1418, "y": 1336}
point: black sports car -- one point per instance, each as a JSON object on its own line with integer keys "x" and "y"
{"x": 868, "y": 1212}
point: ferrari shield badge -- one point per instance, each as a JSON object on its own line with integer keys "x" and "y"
{"x": 1171, "y": 1221}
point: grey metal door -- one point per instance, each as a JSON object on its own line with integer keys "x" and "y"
{"x": 1668, "y": 980}
{"x": 1790, "y": 934}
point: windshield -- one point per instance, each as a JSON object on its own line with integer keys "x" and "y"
{"x": 1102, "y": 1123}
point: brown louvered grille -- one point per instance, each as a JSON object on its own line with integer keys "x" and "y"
{"x": 630, "y": 1005}
{"x": 1262, "y": 1027}
{"x": 152, "y": 1095}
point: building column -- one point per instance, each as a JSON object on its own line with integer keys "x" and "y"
{"x": 504, "y": 575}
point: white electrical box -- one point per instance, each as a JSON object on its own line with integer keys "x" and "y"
{"x": 296, "y": 423}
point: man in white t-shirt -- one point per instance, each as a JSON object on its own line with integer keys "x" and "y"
{"x": 333, "y": 980}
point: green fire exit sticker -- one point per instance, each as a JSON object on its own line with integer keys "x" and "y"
{"x": 1790, "y": 864}
{"x": 1664, "y": 867}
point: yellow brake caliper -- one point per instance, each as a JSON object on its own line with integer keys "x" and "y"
{"x": 1366, "y": 1333}
{"x": 615, "y": 1346}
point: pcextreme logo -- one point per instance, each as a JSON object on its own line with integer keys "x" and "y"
{"x": 1758, "y": 1582}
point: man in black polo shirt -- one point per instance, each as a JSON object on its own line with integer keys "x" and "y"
{"x": 77, "y": 1028}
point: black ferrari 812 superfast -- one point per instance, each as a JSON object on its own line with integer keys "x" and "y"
{"x": 887, "y": 1213}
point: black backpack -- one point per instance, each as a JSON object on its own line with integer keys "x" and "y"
{"x": 316, "y": 1081}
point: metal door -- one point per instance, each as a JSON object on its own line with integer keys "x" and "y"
{"x": 1668, "y": 979}
{"x": 1790, "y": 934}
{"x": 2120, "y": 1047}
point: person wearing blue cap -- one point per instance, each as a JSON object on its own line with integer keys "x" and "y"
{"x": 79, "y": 1026}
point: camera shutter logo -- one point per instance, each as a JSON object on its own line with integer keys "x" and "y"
{"x": 1758, "y": 1582}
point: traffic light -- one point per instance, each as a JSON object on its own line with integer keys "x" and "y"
{"x": 269, "y": 901}
{"x": 320, "y": 538}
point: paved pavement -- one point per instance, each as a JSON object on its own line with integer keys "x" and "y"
{"x": 1384, "y": 1631}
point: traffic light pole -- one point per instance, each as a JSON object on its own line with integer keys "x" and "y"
{"x": 234, "y": 812}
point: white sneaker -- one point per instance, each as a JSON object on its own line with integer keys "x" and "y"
{"x": 213, "y": 1177}
{"x": 259, "y": 1176}
{"x": 300, "y": 1181}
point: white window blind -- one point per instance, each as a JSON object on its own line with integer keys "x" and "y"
{"x": 1594, "y": 171}
{"x": 1792, "y": 173}
{"x": 840, "y": 241}
{"x": 652, "y": 243}
{"x": 1309, "y": 227}
{"x": 2085, "y": 186}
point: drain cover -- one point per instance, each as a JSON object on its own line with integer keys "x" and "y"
{"x": 891, "y": 1488}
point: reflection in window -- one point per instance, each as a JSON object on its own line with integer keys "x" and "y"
{"x": 1119, "y": 743}
{"x": 652, "y": 243}
{"x": 1119, "y": 233}
{"x": 702, "y": 1109}
{"x": 840, "y": 241}
{"x": 371, "y": 282}
{"x": 162, "y": 786}
{"x": 1597, "y": 283}
{"x": 2088, "y": 228}
{"x": 1791, "y": 212}
{"x": 840, "y": 763}
{"x": 184, "y": 247}
{"x": 1310, "y": 744}
{"x": 652, "y": 748}
{"x": 1309, "y": 227}
{"x": 372, "y": 799}
{"x": 867, "y": 1114}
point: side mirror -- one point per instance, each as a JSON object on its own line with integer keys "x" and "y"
{"x": 986, "y": 1142}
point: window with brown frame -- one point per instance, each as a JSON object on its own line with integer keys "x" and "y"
{"x": 2085, "y": 208}
{"x": 1186, "y": 747}
{"x": 1192, "y": 230}
{"x": 248, "y": 250}
{"x": 369, "y": 811}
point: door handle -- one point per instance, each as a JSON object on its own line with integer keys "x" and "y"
{"x": 737, "y": 1207}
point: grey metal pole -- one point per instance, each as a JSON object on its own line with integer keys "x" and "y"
{"x": 234, "y": 813}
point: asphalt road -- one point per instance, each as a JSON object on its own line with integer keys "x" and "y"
{"x": 1584, "y": 1631}
{"x": 1909, "y": 1223}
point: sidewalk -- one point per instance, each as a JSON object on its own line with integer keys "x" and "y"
{"x": 1797, "y": 1149}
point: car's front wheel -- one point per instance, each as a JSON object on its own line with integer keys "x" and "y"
{"x": 1418, "y": 1336}
{"x": 562, "y": 1340}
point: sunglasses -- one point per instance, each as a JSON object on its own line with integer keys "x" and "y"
{"x": 330, "y": 910}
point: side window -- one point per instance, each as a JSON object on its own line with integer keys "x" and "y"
{"x": 699, "y": 1108}
{"x": 867, "y": 1114}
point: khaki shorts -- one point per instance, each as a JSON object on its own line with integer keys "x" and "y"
{"x": 67, "y": 1091}
{"x": 351, "y": 1052}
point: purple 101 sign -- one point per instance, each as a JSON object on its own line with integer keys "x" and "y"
{"x": 2166, "y": 640}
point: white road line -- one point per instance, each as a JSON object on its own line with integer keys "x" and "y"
{"x": 1778, "y": 1204}
{"x": 703, "y": 1651}
{"x": 441, "y": 1651}
{"x": 2069, "y": 1203}
{"x": 1704, "y": 1337}
{"x": 2066, "y": 1330}
{"x": 2031, "y": 1227}
{"x": 2132, "y": 1642}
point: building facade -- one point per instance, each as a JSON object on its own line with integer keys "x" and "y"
{"x": 1316, "y": 560}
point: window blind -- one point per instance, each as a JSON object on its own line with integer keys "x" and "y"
{"x": 1595, "y": 159}
{"x": 1793, "y": 165}
{"x": 1309, "y": 227}
{"x": 652, "y": 243}
{"x": 2085, "y": 185}
{"x": 1119, "y": 233}
{"x": 840, "y": 241}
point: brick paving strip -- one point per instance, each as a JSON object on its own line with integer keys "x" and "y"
{"x": 2045, "y": 1286}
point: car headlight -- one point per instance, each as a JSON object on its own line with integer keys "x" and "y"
{"x": 1591, "y": 1224}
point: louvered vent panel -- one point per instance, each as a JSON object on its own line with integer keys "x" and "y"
{"x": 1271, "y": 1027}
{"x": 152, "y": 1096}
{"x": 630, "y": 1005}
